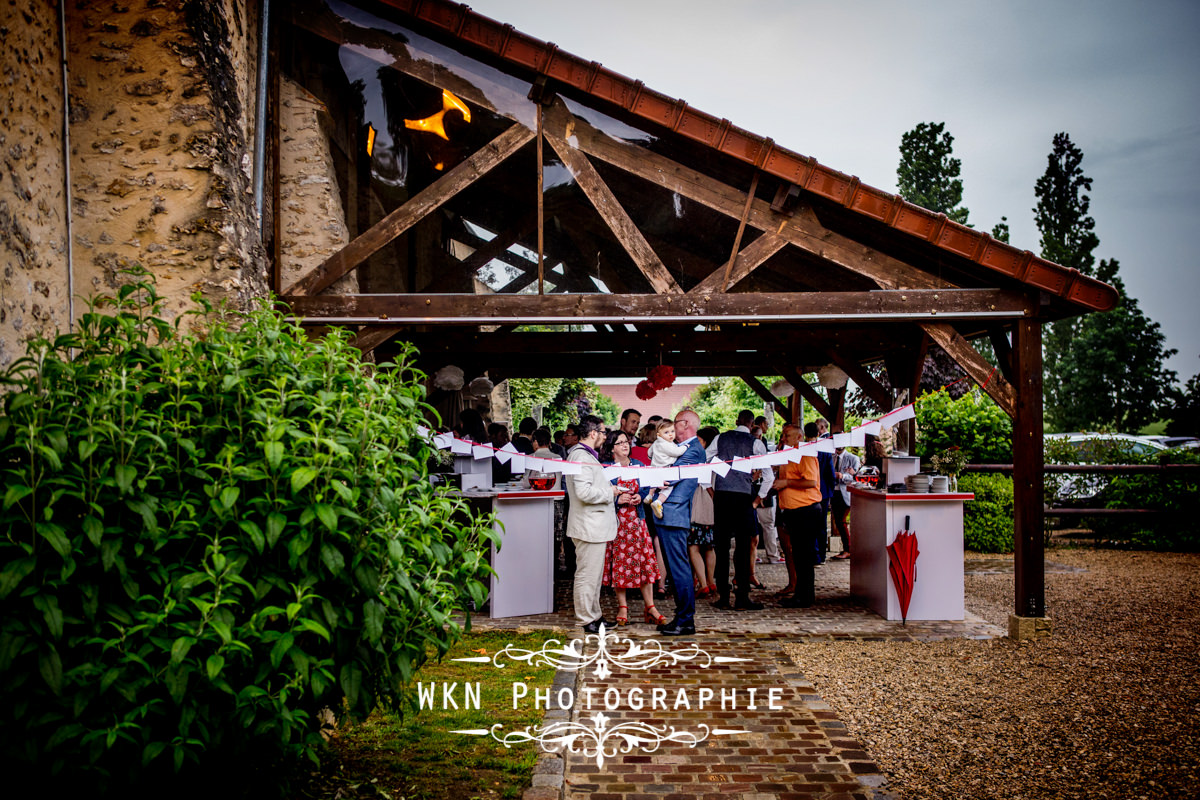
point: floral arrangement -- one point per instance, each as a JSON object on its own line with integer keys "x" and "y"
{"x": 661, "y": 377}
{"x": 950, "y": 461}
{"x": 657, "y": 379}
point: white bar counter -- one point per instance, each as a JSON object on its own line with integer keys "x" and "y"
{"x": 524, "y": 562}
{"x": 937, "y": 520}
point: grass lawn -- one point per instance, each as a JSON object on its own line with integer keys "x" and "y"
{"x": 415, "y": 757}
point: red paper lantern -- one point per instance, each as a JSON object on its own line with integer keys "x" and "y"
{"x": 661, "y": 377}
{"x": 645, "y": 390}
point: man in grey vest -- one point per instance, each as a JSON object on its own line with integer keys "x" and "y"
{"x": 733, "y": 510}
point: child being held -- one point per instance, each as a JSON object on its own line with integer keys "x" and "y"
{"x": 663, "y": 452}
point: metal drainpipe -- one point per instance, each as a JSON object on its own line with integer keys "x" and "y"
{"x": 260, "y": 114}
{"x": 66, "y": 140}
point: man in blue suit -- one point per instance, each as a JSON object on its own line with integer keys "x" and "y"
{"x": 674, "y": 526}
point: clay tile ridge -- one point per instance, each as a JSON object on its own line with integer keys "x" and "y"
{"x": 590, "y": 77}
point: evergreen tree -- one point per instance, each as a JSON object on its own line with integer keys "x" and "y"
{"x": 1069, "y": 239}
{"x": 1000, "y": 230}
{"x": 928, "y": 173}
{"x": 1112, "y": 375}
{"x": 1185, "y": 409}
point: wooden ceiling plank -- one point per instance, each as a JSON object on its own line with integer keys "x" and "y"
{"x": 974, "y": 365}
{"x": 417, "y": 208}
{"x": 367, "y": 339}
{"x": 749, "y": 259}
{"x": 614, "y": 214}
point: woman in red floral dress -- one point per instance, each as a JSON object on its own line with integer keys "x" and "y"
{"x": 629, "y": 562}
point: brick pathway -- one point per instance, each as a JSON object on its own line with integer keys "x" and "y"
{"x": 798, "y": 750}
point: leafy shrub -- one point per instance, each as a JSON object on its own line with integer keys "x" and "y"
{"x": 973, "y": 422}
{"x": 1175, "y": 495}
{"x": 209, "y": 538}
{"x": 988, "y": 519}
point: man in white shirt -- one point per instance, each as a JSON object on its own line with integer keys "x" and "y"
{"x": 845, "y": 467}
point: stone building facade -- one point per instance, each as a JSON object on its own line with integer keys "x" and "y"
{"x": 160, "y": 103}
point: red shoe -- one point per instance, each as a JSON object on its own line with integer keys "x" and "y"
{"x": 655, "y": 618}
{"x": 622, "y": 618}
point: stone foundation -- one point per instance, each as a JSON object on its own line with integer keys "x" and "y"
{"x": 1025, "y": 628}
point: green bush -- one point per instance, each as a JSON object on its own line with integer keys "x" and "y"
{"x": 1175, "y": 495}
{"x": 988, "y": 519}
{"x": 973, "y": 422}
{"x": 206, "y": 540}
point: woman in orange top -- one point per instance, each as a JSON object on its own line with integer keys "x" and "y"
{"x": 799, "y": 487}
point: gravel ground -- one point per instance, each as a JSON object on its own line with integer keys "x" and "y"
{"x": 1108, "y": 707}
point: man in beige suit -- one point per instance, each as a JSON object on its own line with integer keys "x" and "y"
{"x": 592, "y": 521}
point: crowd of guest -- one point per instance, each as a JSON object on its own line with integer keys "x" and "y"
{"x": 686, "y": 538}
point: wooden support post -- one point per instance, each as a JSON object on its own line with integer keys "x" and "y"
{"x": 974, "y": 365}
{"x": 1029, "y": 516}
{"x": 541, "y": 206}
{"x": 737, "y": 240}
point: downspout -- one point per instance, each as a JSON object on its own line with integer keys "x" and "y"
{"x": 66, "y": 149}
{"x": 260, "y": 115}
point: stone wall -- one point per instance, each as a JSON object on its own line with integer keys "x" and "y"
{"x": 313, "y": 221}
{"x": 33, "y": 270}
{"x": 161, "y": 97}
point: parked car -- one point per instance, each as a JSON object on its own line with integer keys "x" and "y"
{"x": 1083, "y": 489}
{"x": 1190, "y": 442}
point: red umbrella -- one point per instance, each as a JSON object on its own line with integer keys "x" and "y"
{"x": 902, "y": 562}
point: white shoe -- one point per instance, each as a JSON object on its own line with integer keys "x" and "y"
{"x": 656, "y": 507}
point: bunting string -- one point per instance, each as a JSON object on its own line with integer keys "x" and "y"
{"x": 660, "y": 476}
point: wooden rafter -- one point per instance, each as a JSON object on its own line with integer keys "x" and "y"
{"x": 737, "y": 240}
{"x": 872, "y": 388}
{"x": 802, "y": 230}
{"x": 749, "y": 259}
{"x": 836, "y": 308}
{"x": 614, "y": 214}
{"x": 1003, "y": 351}
{"x": 810, "y": 394}
{"x": 765, "y": 393}
{"x": 417, "y": 208}
{"x": 974, "y": 364}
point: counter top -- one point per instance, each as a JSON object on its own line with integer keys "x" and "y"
{"x": 505, "y": 493}
{"x": 916, "y": 497}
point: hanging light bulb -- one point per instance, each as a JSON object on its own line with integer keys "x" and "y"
{"x": 370, "y": 139}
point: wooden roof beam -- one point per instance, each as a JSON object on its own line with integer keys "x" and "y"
{"x": 796, "y": 379}
{"x": 417, "y": 208}
{"x": 872, "y": 388}
{"x": 754, "y": 383}
{"x": 614, "y": 214}
{"x": 796, "y": 307}
{"x": 974, "y": 365}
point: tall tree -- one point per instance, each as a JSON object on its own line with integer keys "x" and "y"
{"x": 1068, "y": 238}
{"x": 1068, "y": 233}
{"x": 1112, "y": 375}
{"x": 1185, "y": 409}
{"x": 928, "y": 172}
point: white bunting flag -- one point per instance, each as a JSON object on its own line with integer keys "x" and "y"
{"x": 460, "y": 447}
{"x": 701, "y": 472}
{"x": 443, "y": 440}
{"x": 517, "y": 463}
{"x": 482, "y": 451}
{"x": 824, "y": 445}
{"x": 613, "y": 471}
{"x": 858, "y": 438}
{"x": 658, "y": 476}
{"x": 569, "y": 467}
{"x": 745, "y": 465}
{"x": 720, "y": 468}
{"x": 870, "y": 428}
{"x": 843, "y": 439}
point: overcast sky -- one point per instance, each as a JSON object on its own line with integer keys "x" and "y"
{"x": 841, "y": 82}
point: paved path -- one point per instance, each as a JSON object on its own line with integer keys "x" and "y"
{"x": 798, "y": 749}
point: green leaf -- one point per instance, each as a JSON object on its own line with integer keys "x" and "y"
{"x": 302, "y": 477}
{"x": 14, "y": 572}
{"x": 86, "y": 449}
{"x": 94, "y": 529}
{"x": 251, "y": 529}
{"x": 312, "y": 626}
{"x": 373, "y": 620}
{"x": 125, "y": 475}
{"x": 152, "y": 751}
{"x": 223, "y": 630}
{"x": 51, "y": 613}
{"x": 274, "y": 454}
{"x": 15, "y": 494}
{"x": 179, "y": 649}
{"x": 176, "y": 680}
{"x": 229, "y": 496}
{"x": 214, "y": 665}
{"x": 350, "y": 679}
{"x": 56, "y": 536}
{"x": 280, "y": 649}
{"x": 275, "y": 523}
{"x": 327, "y": 514}
{"x": 50, "y": 666}
{"x": 332, "y": 557}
